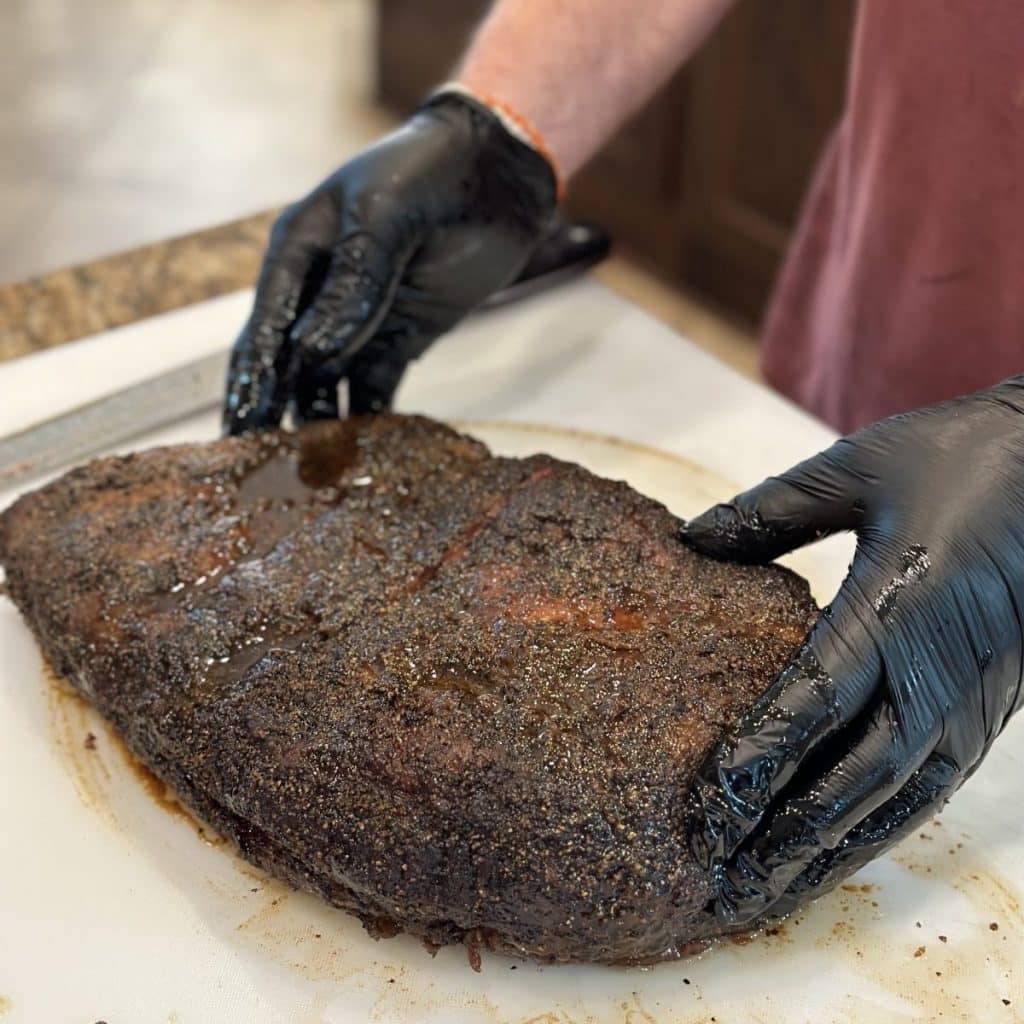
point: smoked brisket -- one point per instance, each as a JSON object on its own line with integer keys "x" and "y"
{"x": 454, "y": 694}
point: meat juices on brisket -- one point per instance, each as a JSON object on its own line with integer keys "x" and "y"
{"x": 453, "y": 693}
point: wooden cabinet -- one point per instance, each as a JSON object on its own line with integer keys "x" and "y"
{"x": 703, "y": 185}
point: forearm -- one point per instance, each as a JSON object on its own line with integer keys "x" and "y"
{"x": 576, "y": 69}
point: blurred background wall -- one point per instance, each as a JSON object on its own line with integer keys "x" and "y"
{"x": 126, "y": 121}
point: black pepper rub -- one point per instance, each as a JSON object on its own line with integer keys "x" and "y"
{"x": 457, "y": 695}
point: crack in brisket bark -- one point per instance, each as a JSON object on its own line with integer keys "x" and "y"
{"x": 460, "y": 545}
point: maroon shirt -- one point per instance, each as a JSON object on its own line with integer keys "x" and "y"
{"x": 905, "y": 282}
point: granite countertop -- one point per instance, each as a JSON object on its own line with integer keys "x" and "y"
{"x": 48, "y": 310}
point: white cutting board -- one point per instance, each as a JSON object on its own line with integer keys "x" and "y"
{"x": 113, "y": 907}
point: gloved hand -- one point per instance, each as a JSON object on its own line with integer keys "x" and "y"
{"x": 908, "y": 677}
{"x": 389, "y": 252}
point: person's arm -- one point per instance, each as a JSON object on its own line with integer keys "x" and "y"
{"x": 578, "y": 68}
{"x": 400, "y": 243}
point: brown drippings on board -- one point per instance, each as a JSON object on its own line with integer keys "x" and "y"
{"x": 943, "y": 978}
{"x": 778, "y": 931}
{"x": 72, "y": 718}
{"x": 161, "y": 794}
{"x": 76, "y": 727}
{"x": 381, "y": 928}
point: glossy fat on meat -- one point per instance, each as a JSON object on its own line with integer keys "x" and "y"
{"x": 454, "y": 694}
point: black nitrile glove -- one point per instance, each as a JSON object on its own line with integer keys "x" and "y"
{"x": 905, "y": 680}
{"x": 389, "y": 252}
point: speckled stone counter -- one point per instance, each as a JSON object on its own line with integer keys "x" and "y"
{"x": 63, "y": 305}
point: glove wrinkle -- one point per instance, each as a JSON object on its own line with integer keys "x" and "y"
{"x": 451, "y": 205}
{"x": 923, "y": 646}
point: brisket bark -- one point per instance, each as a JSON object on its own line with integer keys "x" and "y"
{"x": 457, "y": 694}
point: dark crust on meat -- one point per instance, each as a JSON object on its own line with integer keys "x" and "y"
{"x": 459, "y": 694}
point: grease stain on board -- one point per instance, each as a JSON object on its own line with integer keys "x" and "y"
{"x": 941, "y": 970}
{"x": 94, "y": 753}
{"x": 73, "y": 720}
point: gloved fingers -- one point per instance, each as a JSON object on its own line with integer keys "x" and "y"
{"x": 812, "y": 500}
{"x": 818, "y": 816}
{"x": 925, "y": 793}
{"x": 352, "y": 303}
{"x": 374, "y": 375}
{"x": 820, "y": 692}
{"x": 292, "y": 271}
{"x": 255, "y": 399}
